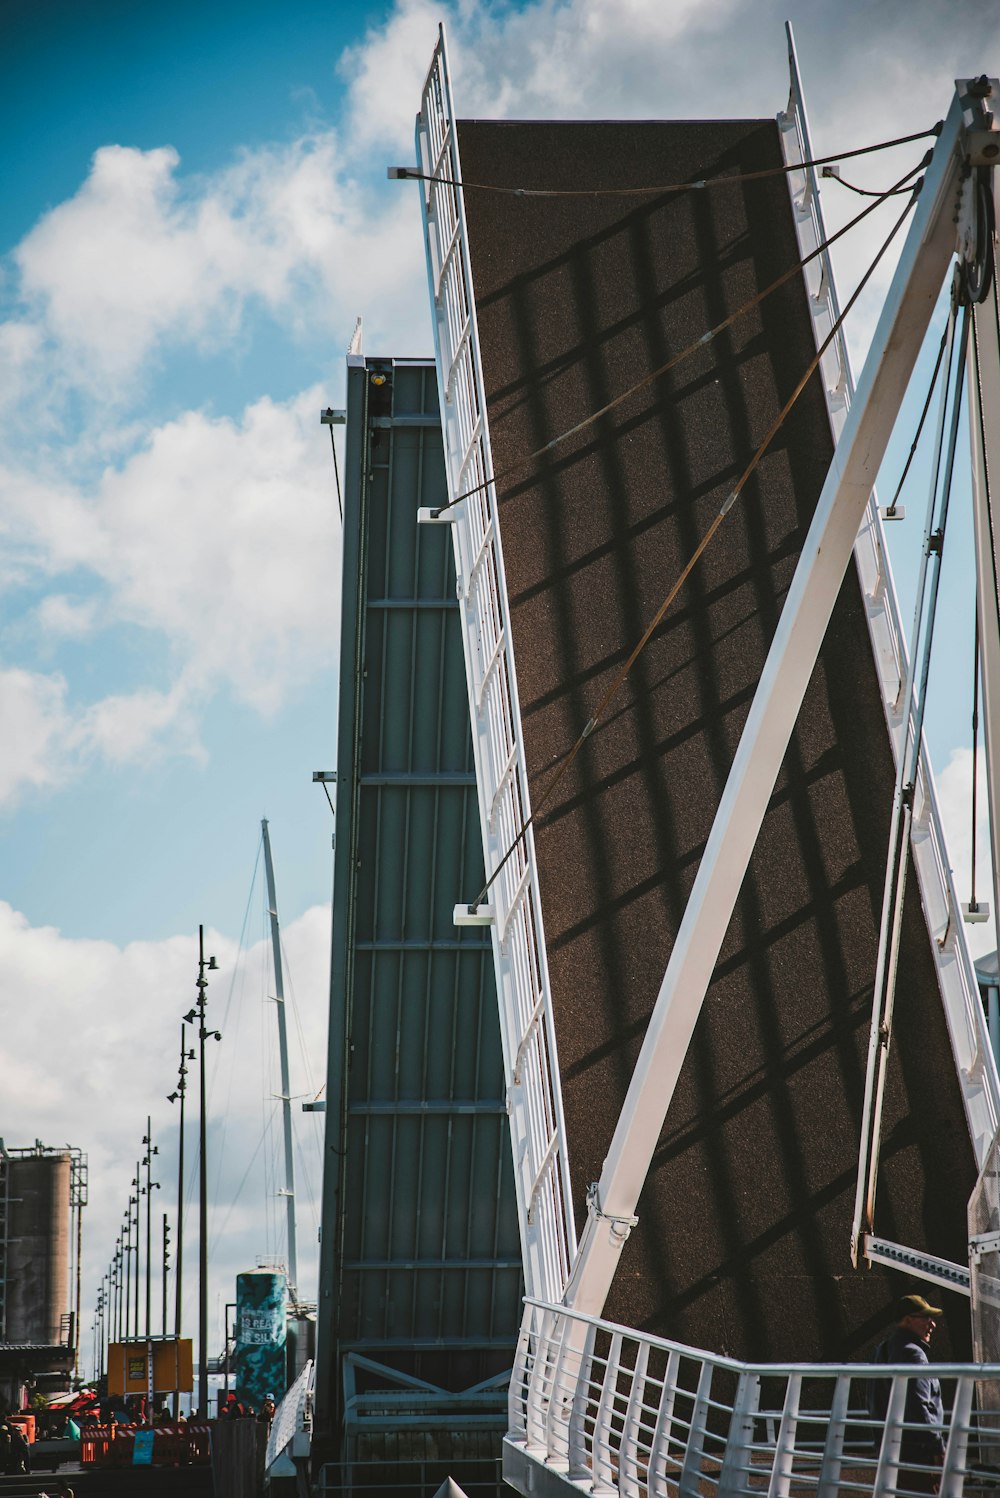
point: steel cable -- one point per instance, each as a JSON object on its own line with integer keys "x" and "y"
{"x": 973, "y": 903}
{"x": 891, "y": 507}
{"x": 623, "y": 671}
{"x": 683, "y": 354}
{"x": 413, "y": 174}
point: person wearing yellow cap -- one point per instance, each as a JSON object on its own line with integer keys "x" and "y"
{"x": 922, "y": 1443}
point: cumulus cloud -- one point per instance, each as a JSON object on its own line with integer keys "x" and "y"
{"x": 143, "y": 260}
{"x": 214, "y": 534}
{"x": 120, "y": 1007}
{"x": 572, "y": 59}
{"x": 217, "y": 536}
{"x": 222, "y": 535}
{"x": 554, "y": 59}
{"x": 37, "y": 732}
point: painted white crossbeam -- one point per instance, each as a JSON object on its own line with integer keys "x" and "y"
{"x": 984, "y": 419}
{"x": 792, "y": 657}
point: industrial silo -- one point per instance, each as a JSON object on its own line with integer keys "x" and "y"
{"x": 37, "y": 1247}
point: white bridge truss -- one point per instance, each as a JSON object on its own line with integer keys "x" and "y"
{"x": 595, "y": 1407}
{"x": 975, "y": 1065}
{"x": 534, "y": 1095}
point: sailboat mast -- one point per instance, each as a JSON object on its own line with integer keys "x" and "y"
{"x": 286, "y": 1100}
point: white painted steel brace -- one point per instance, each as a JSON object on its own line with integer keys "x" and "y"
{"x": 984, "y": 433}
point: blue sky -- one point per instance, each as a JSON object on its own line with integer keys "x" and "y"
{"x": 195, "y": 211}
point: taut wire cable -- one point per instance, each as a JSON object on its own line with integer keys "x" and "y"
{"x": 973, "y": 906}
{"x": 623, "y": 671}
{"x": 413, "y": 174}
{"x": 891, "y": 508}
{"x": 683, "y": 354}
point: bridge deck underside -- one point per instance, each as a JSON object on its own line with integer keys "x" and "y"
{"x": 742, "y": 1243}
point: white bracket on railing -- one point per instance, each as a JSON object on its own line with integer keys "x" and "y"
{"x": 473, "y": 915}
{"x": 983, "y": 1243}
{"x": 925, "y": 1266}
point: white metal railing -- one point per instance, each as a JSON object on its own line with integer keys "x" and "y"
{"x": 291, "y": 1428}
{"x": 534, "y": 1098}
{"x": 975, "y": 1065}
{"x": 614, "y": 1412}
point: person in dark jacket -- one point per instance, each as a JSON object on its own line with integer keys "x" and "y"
{"x": 908, "y": 1342}
{"x": 15, "y": 1453}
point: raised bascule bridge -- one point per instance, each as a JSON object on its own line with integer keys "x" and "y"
{"x": 746, "y": 1070}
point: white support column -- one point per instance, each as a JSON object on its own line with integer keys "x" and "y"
{"x": 818, "y": 577}
{"x": 984, "y": 430}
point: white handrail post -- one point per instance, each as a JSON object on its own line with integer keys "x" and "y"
{"x": 887, "y": 1468}
{"x": 688, "y": 1485}
{"x": 833, "y": 1447}
{"x": 954, "y": 1468}
{"x": 517, "y": 1425}
{"x": 539, "y": 1387}
{"x": 659, "y": 1446}
{"x": 604, "y": 1476}
{"x": 628, "y": 1462}
{"x": 739, "y": 1444}
{"x": 579, "y": 1465}
{"x": 784, "y": 1451}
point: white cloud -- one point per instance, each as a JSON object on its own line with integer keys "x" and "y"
{"x": 120, "y": 1008}
{"x": 223, "y": 536}
{"x": 36, "y": 733}
{"x": 60, "y": 616}
{"x": 218, "y": 537}
{"x": 554, "y": 59}
{"x": 143, "y": 260}
{"x": 954, "y": 787}
{"x": 141, "y": 724}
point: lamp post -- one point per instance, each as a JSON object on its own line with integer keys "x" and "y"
{"x": 116, "y": 1278}
{"x": 148, "y": 1190}
{"x": 99, "y": 1332}
{"x": 134, "y": 1202}
{"x": 166, "y": 1266}
{"x": 127, "y": 1250}
{"x": 173, "y": 1097}
{"x": 198, "y": 1014}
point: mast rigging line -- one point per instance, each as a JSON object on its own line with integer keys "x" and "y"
{"x": 684, "y": 353}
{"x": 730, "y": 500}
{"x": 413, "y": 174}
{"x": 891, "y": 507}
{"x": 897, "y": 860}
{"x": 864, "y": 192}
{"x": 973, "y": 904}
{"x": 340, "y": 501}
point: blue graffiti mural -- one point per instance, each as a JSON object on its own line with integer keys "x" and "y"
{"x": 261, "y": 1320}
